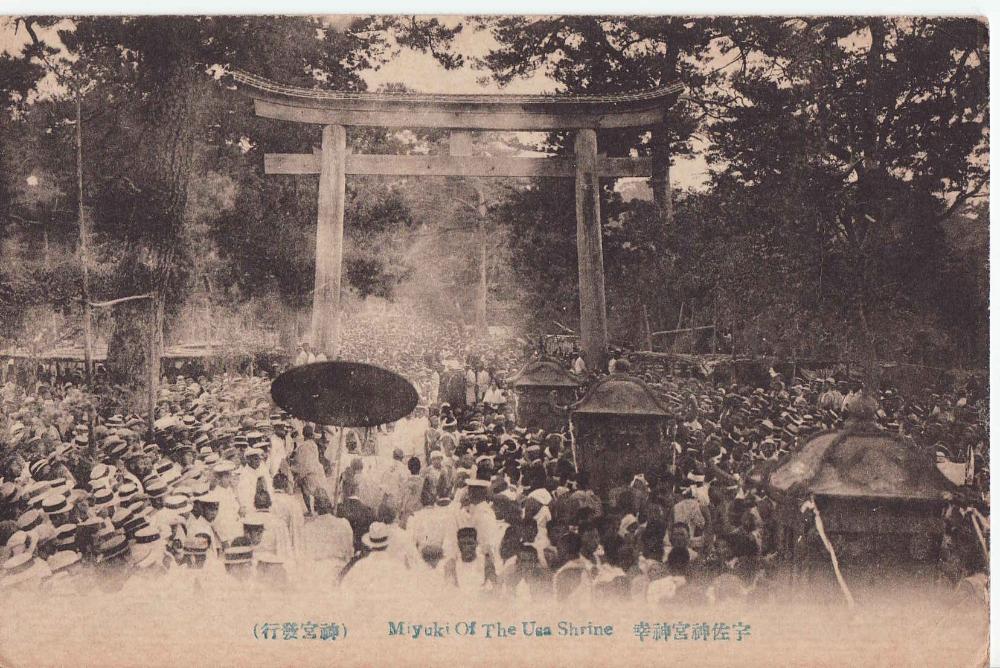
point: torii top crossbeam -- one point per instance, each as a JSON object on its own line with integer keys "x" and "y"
{"x": 478, "y": 111}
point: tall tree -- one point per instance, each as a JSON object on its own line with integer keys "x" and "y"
{"x": 155, "y": 95}
{"x": 601, "y": 55}
{"x": 848, "y": 145}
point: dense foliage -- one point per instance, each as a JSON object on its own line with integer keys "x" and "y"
{"x": 844, "y": 215}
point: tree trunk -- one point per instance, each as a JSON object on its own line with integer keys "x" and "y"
{"x": 134, "y": 349}
{"x": 88, "y": 334}
{"x": 156, "y": 259}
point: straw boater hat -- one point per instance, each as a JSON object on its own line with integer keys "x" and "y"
{"x": 104, "y": 532}
{"x": 30, "y": 520}
{"x": 197, "y": 545}
{"x": 103, "y": 498}
{"x": 171, "y": 475}
{"x": 60, "y": 486}
{"x": 238, "y": 554}
{"x": 126, "y": 491}
{"x": 118, "y": 449}
{"x": 200, "y": 491}
{"x": 18, "y": 569}
{"x": 54, "y": 504}
{"x": 377, "y": 538}
{"x": 179, "y": 503}
{"x": 35, "y": 467}
{"x": 156, "y": 487}
{"x": 19, "y": 541}
{"x": 100, "y": 472}
{"x": 133, "y": 524}
{"x": 148, "y": 547}
{"x": 36, "y": 488}
{"x": 66, "y": 536}
{"x": 60, "y": 561}
{"x": 121, "y": 517}
{"x": 116, "y": 546}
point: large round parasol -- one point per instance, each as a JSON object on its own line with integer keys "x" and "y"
{"x": 346, "y": 394}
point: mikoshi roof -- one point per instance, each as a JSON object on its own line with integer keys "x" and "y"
{"x": 620, "y": 394}
{"x": 862, "y": 462}
{"x": 543, "y": 372}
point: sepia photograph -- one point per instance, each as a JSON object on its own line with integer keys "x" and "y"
{"x": 542, "y": 340}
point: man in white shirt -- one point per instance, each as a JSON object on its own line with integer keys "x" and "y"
{"x": 327, "y": 537}
{"x": 470, "y": 386}
{"x": 435, "y": 384}
{"x": 428, "y": 526}
{"x": 379, "y": 575}
{"x": 250, "y": 473}
{"x": 303, "y": 355}
{"x": 472, "y": 570}
{"x": 227, "y": 522}
{"x": 474, "y": 512}
{"x": 309, "y": 471}
{"x": 206, "y": 509}
{"x": 278, "y": 451}
{"x": 482, "y": 384}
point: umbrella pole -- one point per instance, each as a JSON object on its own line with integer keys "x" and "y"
{"x": 572, "y": 442}
{"x": 833, "y": 555}
{"x": 975, "y": 517}
{"x": 336, "y": 472}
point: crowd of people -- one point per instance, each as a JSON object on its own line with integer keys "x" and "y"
{"x": 229, "y": 491}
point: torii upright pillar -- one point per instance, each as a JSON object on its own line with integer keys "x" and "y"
{"x": 329, "y": 241}
{"x": 590, "y": 252}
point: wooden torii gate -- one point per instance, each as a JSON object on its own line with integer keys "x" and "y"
{"x": 584, "y": 114}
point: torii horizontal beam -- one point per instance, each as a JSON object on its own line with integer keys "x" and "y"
{"x": 478, "y": 111}
{"x": 452, "y": 165}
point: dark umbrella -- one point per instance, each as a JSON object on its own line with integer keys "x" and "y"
{"x": 346, "y": 394}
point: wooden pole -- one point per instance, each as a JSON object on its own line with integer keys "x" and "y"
{"x": 88, "y": 335}
{"x": 683, "y": 329}
{"x": 572, "y": 444}
{"x": 460, "y": 145}
{"x": 694, "y": 341}
{"x": 155, "y": 350}
{"x": 483, "y": 292}
{"x": 336, "y": 472}
{"x": 590, "y": 257}
{"x": 732, "y": 334}
{"x": 329, "y": 242}
{"x": 715, "y": 331}
{"x": 660, "y": 179}
{"x": 646, "y": 329}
